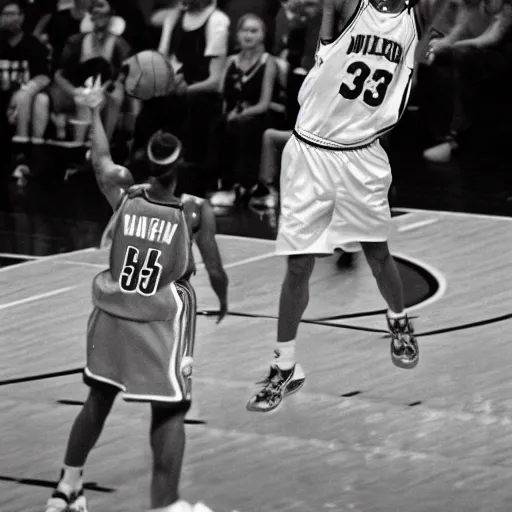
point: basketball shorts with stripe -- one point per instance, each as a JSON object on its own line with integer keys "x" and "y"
{"x": 332, "y": 199}
{"x": 146, "y": 361}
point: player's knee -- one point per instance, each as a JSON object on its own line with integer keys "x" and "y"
{"x": 300, "y": 267}
{"x": 100, "y": 400}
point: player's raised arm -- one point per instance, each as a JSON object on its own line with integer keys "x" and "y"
{"x": 336, "y": 14}
{"x": 112, "y": 179}
{"x": 207, "y": 245}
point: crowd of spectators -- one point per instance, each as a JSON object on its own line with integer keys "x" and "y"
{"x": 239, "y": 66}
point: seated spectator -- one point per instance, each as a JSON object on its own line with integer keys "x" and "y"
{"x": 247, "y": 90}
{"x": 55, "y": 28}
{"x": 24, "y": 73}
{"x": 265, "y": 9}
{"x": 479, "y": 64}
{"x": 97, "y": 52}
{"x": 196, "y": 40}
{"x": 301, "y": 36}
{"x": 35, "y": 10}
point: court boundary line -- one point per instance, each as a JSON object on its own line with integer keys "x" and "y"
{"x": 404, "y": 228}
{"x": 34, "y": 298}
{"x": 51, "y": 257}
{"x": 446, "y": 213}
{"x": 434, "y": 272}
{"x": 56, "y": 257}
{"x": 51, "y": 293}
{"x": 19, "y": 256}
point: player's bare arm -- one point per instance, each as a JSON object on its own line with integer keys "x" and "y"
{"x": 336, "y": 14}
{"x": 112, "y": 179}
{"x": 207, "y": 245}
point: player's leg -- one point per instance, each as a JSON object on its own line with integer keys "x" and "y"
{"x": 404, "y": 347}
{"x": 306, "y": 173}
{"x": 168, "y": 446}
{"x": 84, "y": 434}
{"x": 286, "y": 376}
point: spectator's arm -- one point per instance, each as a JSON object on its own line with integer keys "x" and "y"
{"x": 212, "y": 83}
{"x": 500, "y": 25}
{"x": 217, "y": 36}
{"x": 459, "y": 28}
{"x": 112, "y": 179}
{"x": 168, "y": 27}
{"x": 210, "y": 254}
{"x": 267, "y": 90}
{"x": 41, "y": 26}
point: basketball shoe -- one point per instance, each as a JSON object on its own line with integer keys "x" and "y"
{"x": 60, "y": 502}
{"x": 278, "y": 384}
{"x": 405, "y": 351}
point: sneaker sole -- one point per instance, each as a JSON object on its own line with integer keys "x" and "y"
{"x": 399, "y": 363}
{"x": 294, "y": 386}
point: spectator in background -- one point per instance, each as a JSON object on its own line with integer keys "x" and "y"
{"x": 55, "y": 28}
{"x": 97, "y": 52}
{"x": 247, "y": 90}
{"x": 480, "y": 64}
{"x": 264, "y": 9}
{"x": 301, "y": 37}
{"x": 195, "y": 39}
{"x": 24, "y": 73}
{"x": 35, "y": 10}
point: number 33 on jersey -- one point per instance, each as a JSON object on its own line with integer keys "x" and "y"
{"x": 360, "y": 84}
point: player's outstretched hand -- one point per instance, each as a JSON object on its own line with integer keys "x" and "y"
{"x": 92, "y": 95}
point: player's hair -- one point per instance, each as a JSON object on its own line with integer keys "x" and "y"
{"x": 164, "y": 152}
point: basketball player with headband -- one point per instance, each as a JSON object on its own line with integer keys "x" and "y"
{"x": 140, "y": 335}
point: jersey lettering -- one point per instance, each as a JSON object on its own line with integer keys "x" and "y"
{"x": 138, "y": 277}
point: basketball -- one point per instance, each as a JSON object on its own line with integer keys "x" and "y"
{"x": 148, "y": 75}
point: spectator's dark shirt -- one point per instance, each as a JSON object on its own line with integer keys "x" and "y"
{"x": 60, "y": 28}
{"x": 35, "y": 10}
{"x": 22, "y": 62}
{"x": 244, "y": 87}
{"x": 189, "y": 48}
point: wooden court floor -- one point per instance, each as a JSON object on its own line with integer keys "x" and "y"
{"x": 361, "y": 436}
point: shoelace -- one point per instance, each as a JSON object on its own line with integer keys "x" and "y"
{"x": 270, "y": 382}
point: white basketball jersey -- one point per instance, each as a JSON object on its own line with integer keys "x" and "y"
{"x": 360, "y": 84}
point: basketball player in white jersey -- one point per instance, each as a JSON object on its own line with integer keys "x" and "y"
{"x": 336, "y": 176}
{"x": 140, "y": 335}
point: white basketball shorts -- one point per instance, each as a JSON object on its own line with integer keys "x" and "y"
{"x": 332, "y": 199}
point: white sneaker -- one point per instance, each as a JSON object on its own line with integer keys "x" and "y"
{"x": 201, "y": 507}
{"x": 58, "y": 504}
{"x": 178, "y": 506}
{"x": 268, "y": 201}
{"x": 223, "y": 198}
{"x": 440, "y": 154}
